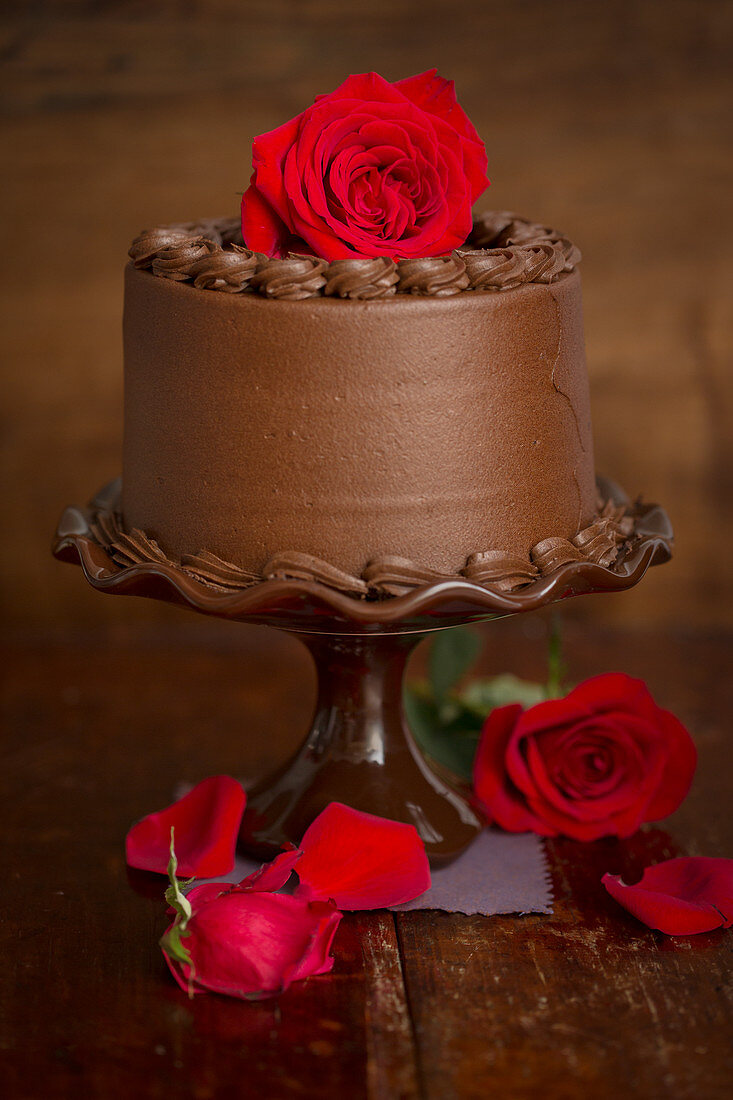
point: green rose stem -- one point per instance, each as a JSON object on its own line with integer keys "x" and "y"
{"x": 556, "y": 668}
{"x": 171, "y": 940}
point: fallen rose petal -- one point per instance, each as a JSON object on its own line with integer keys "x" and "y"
{"x": 361, "y": 861}
{"x": 252, "y": 944}
{"x": 681, "y": 896}
{"x": 273, "y": 875}
{"x": 206, "y": 823}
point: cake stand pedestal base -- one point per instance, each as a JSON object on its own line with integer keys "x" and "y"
{"x": 359, "y": 751}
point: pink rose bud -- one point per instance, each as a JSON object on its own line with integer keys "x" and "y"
{"x": 249, "y": 944}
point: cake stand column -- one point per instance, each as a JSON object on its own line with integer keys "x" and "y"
{"x": 359, "y": 751}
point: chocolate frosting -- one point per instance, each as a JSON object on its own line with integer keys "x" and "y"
{"x": 414, "y": 427}
{"x": 368, "y": 278}
{"x": 503, "y": 251}
{"x": 436, "y": 276}
{"x": 497, "y": 569}
{"x": 229, "y": 270}
{"x": 125, "y": 547}
{"x": 146, "y": 247}
{"x": 505, "y": 268}
{"x": 611, "y": 531}
{"x": 209, "y": 568}
{"x": 488, "y": 225}
{"x": 179, "y": 261}
{"x": 305, "y": 567}
{"x": 292, "y": 279}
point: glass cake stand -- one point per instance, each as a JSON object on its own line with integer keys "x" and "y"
{"x": 359, "y": 749}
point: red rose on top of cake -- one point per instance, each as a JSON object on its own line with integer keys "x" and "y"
{"x": 373, "y": 169}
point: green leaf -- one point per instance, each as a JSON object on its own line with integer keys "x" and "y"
{"x": 420, "y": 711}
{"x": 556, "y": 668}
{"x": 452, "y": 652}
{"x": 482, "y": 696}
{"x": 453, "y": 742}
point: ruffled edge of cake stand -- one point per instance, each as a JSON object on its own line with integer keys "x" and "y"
{"x": 299, "y": 602}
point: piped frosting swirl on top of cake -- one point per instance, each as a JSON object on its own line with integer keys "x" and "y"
{"x": 504, "y": 251}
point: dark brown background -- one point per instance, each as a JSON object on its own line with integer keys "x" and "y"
{"x": 606, "y": 120}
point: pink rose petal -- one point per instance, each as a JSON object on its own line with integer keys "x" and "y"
{"x": 360, "y": 861}
{"x": 206, "y": 823}
{"x": 680, "y": 896}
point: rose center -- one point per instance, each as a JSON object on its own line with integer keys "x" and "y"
{"x": 585, "y": 771}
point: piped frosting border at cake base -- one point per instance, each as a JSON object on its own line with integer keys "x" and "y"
{"x": 312, "y": 605}
{"x": 612, "y": 533}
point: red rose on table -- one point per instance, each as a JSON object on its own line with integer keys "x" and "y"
{"x": 373, "y": 169}
{"x": 597, "y": 763}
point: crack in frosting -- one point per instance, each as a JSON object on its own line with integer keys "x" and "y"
{"x": 502, "y": 252}
{"x": 610, "y": 532}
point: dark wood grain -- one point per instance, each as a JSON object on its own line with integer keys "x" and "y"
{"x": 587, "y": 1002}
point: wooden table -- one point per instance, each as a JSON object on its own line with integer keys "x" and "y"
{"x": 608, "y": 120}
{"x": 586, "y": 1002}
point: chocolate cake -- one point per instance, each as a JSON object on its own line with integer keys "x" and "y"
{"x": 367, "y": 423}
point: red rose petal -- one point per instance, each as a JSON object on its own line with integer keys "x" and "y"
{"x": 365, "y": 87}
{"x": 273, "y": 875}
{"x": 360, "y": 861}
{"x": 503, "y": 803}
{"x": 317, "y": 960}
{"x": 263, "y": 230}
{"x": 198, "y": 895}
{"x": 597, "y": 811}
{"x": 681, "y": 896}
{"x": 206, "y": 823}
{"x": 251, "y": 944}
{"x": 268, "y": 157}
{"x": 434, "y": 94}
{"x": 679, "y": 768}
